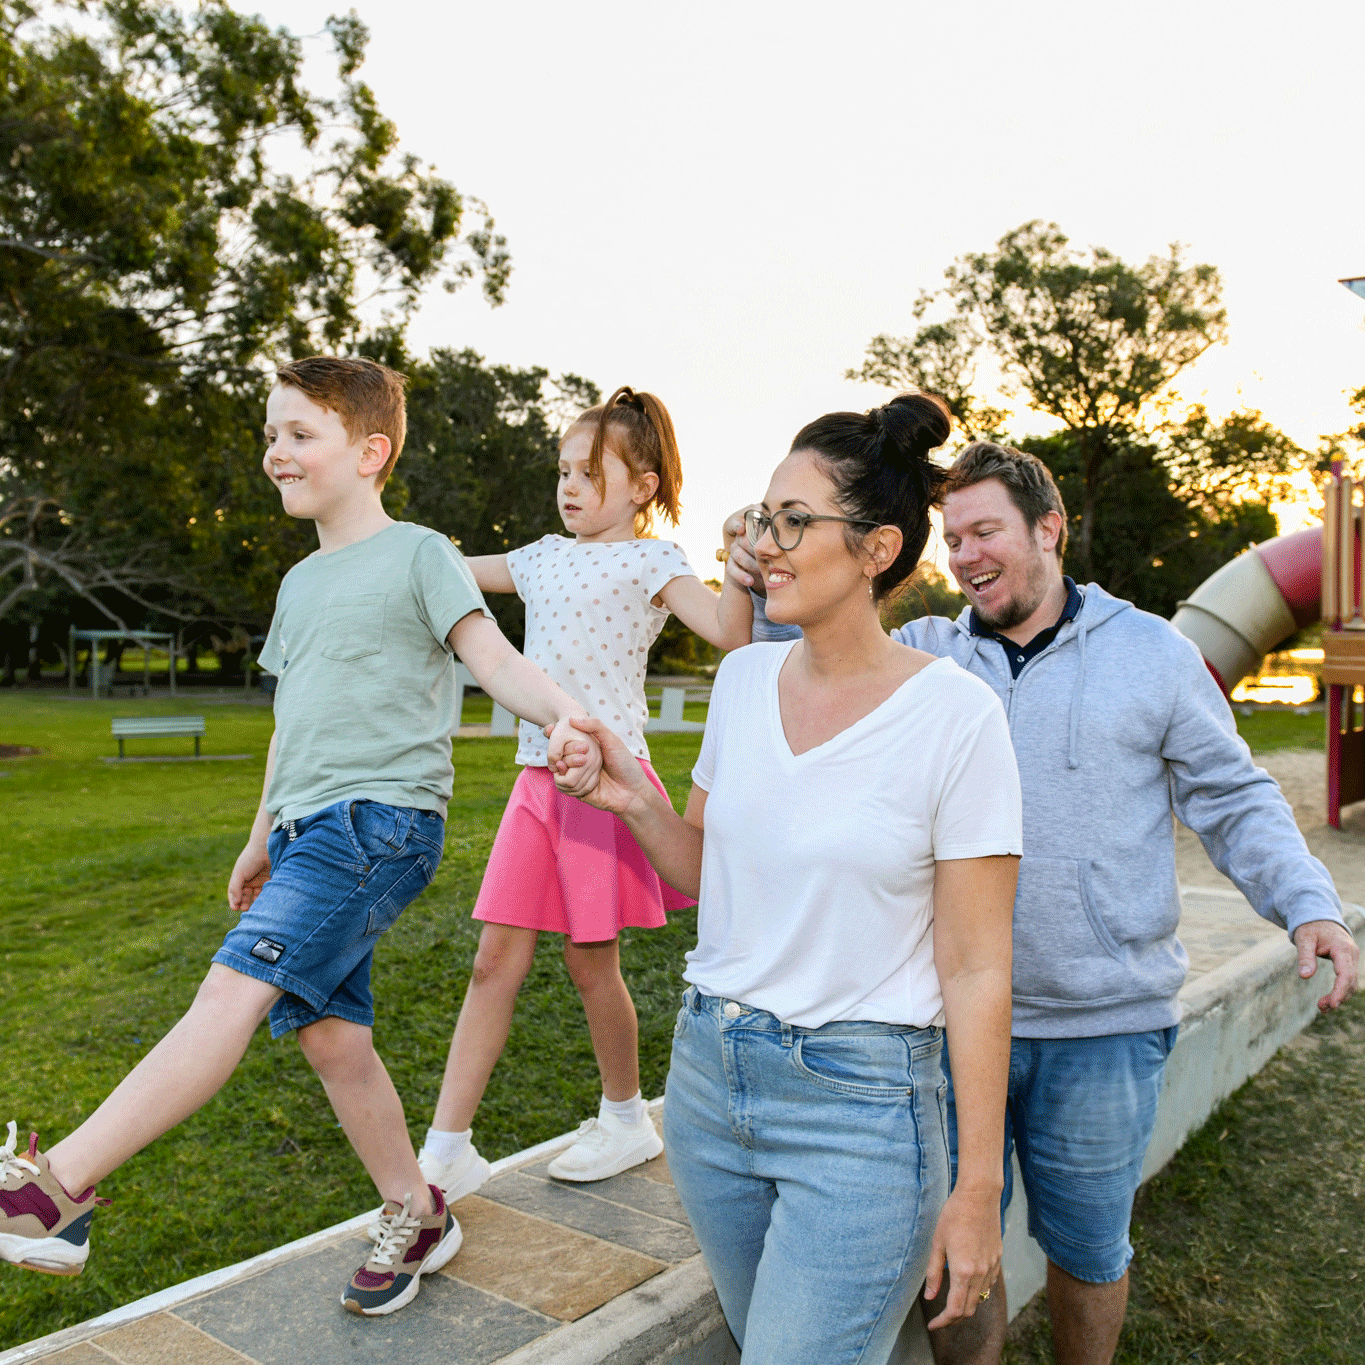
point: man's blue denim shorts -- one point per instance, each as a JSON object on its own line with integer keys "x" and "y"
{"x": 1079, "y": 1113}
{"x": 338, "y": 879}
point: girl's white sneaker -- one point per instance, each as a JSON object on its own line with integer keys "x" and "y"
{"x": 607, "y": 1146}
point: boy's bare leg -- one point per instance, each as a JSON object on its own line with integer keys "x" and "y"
{"x": 371, "y": 1114}
{"x": 500, "y": 966}
{"x": 977, "y": 1340}
{"x": 185, "y": 1070}
{"x": 596, "y": 971}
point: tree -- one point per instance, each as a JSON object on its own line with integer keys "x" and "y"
{"x": 928, "y": 593}
{"x": 481, "y": 456}
{"x": 943, "y": 358}
{"x": 1086, "y": 339}
{"x": 155, "y": 255}
{"x": 1347, "y": 446}
{"x": 1178, "y": 502}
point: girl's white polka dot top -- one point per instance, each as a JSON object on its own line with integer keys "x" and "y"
{"x": 590, "y": 622}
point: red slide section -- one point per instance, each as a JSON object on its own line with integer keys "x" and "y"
{"x": 1253, "y": 603}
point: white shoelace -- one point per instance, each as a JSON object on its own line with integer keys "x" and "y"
{"x": 591, "y": 1134}
{"x": 10, "y": 1162}
{"x": 393, "y": 1233}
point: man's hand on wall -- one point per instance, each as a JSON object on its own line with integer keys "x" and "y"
{"x": 1326, "y": 938}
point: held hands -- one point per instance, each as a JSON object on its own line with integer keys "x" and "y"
{"x": 575, "y": 758}
{"x": 967, "y": 1243}
{"x": 621, "y": 781}
{"x": 250, "y": 873}
{"x": 1326, "y": 938}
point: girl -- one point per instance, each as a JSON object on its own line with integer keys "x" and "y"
{"x": 804, "y": 1117}
{"x": 595, "y": 602}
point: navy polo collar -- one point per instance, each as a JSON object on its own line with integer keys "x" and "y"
{"x": 1017, "y": 654}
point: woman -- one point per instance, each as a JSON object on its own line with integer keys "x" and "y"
{"x": 853, "y": 834}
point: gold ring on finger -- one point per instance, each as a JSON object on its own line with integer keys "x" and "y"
{"x": 984, "y": 1295}
{"x": 722, "y": 555}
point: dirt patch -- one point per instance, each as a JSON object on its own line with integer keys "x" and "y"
{"x": 1302, "y": 775}
{"x": 17, "y": 751}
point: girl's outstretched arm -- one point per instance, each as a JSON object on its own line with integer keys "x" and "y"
{"x": 491, "y": 573}
{"x": 670, "y": 841}
{"x": 724, "y": 619}
{"x": 513, "y": 681}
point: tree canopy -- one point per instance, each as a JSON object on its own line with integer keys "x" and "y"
{"x": 1156, "y": 502}
{"x": 177, "y": 211}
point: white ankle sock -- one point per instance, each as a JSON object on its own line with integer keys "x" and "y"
{"x": 446, "y": 1146}
{"x": 628, "y": 1111}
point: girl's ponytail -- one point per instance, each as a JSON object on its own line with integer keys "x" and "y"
{"x": 644, "y": 439}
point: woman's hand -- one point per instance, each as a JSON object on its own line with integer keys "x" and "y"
{"x": 967, "y": 1242}
{"x": 621, "y": 783}
{"x": 575, "y": 759}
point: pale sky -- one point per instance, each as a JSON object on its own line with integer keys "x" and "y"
{"x": 722, "y": 203}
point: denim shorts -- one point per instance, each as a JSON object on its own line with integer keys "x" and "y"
{"x": 1079, "y": 1113}
{"x": 813, "y": 1165}
{"x": 338, "y": 879}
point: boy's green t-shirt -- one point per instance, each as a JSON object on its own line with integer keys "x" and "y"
{"x": 365, "y": 703}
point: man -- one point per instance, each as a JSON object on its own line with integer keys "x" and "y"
{"x": 1116, "y": 725}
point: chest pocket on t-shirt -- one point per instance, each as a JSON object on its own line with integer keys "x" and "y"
{"x": 353, "y": 627}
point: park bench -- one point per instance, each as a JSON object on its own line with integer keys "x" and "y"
{"x": 158, "y": 727}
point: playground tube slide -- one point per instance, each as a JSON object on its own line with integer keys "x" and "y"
{"x": 1239, "y": 614}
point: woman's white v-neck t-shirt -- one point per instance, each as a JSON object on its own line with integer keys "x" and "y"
{"x": 817, "y": 873}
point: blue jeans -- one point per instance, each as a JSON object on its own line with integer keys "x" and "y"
{"x": 813, "y": 1164}
{"x": 338, "y": 879}
{"x": 1080, "y": 1112}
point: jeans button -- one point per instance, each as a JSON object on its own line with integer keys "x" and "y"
{"x": 731, "y": 1010}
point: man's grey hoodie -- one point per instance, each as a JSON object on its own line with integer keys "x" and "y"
{"x": 1116, "y": 724}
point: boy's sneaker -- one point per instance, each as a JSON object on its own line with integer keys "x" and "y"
{"x": 607, "y": 1146}
{"x": 407, "y": 1247}
{"x": 41, "y": 1226}
{"x": 455, "y": 1178}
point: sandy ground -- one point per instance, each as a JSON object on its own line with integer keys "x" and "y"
{"x": 1302, "y": 775}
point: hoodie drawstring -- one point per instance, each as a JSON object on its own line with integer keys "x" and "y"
{"x": 1072, "y": 756}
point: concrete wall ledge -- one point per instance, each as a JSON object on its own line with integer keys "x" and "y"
{"x": 674, "y": 1317}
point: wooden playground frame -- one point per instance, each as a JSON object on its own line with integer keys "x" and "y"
{"x": 1343, "y": 640}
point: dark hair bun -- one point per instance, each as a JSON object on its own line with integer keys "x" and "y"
{"x": 915, "y": 424}
{"x": 879, "y": 462}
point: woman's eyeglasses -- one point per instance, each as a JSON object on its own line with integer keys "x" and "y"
{"x": 788, "y": 526}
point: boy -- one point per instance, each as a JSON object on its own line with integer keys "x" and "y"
{"x": 349, "y": 830}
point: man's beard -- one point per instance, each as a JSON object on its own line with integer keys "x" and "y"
{"x": 1020, "y": 607}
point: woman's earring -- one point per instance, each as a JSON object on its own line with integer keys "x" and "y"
{"x": 869, "y": 587}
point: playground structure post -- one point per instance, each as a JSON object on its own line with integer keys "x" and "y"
{"x": 1343, "y": 641}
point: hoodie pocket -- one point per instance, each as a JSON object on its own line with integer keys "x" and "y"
{"x": 1058, "y": 936}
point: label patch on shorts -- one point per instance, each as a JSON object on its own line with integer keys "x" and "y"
{"x": 267, "y": 950}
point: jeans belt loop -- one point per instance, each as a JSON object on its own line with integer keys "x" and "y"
{"x": 786, "y": 1035}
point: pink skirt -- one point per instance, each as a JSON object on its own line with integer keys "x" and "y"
{"x": 564, "y": 867}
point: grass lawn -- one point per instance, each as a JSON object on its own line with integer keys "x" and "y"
{"x": 1249, "y": 1244}
{"x": 114, "y": 900}
{"x": 1264, "y": 730}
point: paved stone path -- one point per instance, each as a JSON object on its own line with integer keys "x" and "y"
{"x": 537, "y": 1254}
